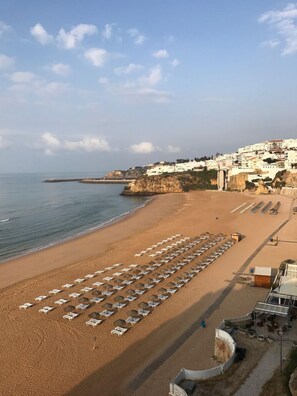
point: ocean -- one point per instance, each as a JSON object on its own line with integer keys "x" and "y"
{"x": 34, "y": 215}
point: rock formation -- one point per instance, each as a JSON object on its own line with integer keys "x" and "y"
{"x": 162, "y": 184}
{"x": 262, "y": 189}
{"x": 237, "y": 182}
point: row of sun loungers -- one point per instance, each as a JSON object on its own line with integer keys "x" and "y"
{"x": 171, "y": 238}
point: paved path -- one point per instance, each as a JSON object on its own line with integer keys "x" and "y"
{"x": 266, "y": 366}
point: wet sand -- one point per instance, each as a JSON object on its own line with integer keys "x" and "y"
{"x": 44, "y": 354}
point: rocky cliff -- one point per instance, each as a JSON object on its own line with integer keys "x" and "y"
{"x": 285, "y": 179}
{"x": 151, "y": 185}
{"x": 237, "y": 182}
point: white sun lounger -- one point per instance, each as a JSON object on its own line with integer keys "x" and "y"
{"x": 143, "y": 312}
{"x": 118, "y": 287}
{"x": 97, "y": 299}
{"x": 97, "y": 284}
{"x": 108, "y": 278}
{"x": 99, "y": 272}
{"x": 133, "y": 265}
{"x": 46, "y": 309}
{"x": 79, "y": 280}
{"x": 55, "y": 291}
{"x": 26, "y": 305}
{"x": 61, "y": 301}
{"x": 117, "y": 274}
{"x": 93, "y": 322}
{"x": 40, "y": 298}
{"x": 132, "y": 321}
{"x": 71, "y": 315}
{"x": 74, "y": 295}
{"x": 117, "y": 264}
{"x": 108, "y": 293}
{"x": 107, "y": 313}
{"x": 162, "y": 297}
{"x": 82, "y": 306}
{"x": 119, "y": 331}
{"x": 89, "y": 276}
{"x": 68, "y": 285}
{"x": 119, "y": 305}
{"x": 86, "y": 289}
{"x": 153, "y": 304}
{"x": 131, "y": 298}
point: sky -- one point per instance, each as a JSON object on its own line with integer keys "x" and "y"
{"x": 100, "y": 85}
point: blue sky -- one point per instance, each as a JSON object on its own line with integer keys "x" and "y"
{"x": 98, "y": 85}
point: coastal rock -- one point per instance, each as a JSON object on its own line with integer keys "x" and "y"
{"x": 153, "y": 185}
{"x": 262, "y": 189}
{"x": 180, "y": 182}
{"x": 237, "y": 182}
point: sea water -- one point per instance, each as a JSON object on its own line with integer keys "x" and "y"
{"x": 34, "y": 214}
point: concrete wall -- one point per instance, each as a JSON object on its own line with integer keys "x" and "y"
{"x": 196, "y": 375}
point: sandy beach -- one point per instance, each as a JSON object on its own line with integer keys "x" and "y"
{"x": 48, "y": 355}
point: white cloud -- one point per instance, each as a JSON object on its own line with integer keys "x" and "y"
{"x": 162, "y": 53}
{"x": 4, "y": 143}
{"x": 152, "y": 78}
{"x": 284, "y": 22}
{"x": 103, "y": 80}
{"x": 137, "y": 37}
{"x": 53, "y": 88}
{"x": 6, "y": 62}
{"x": 41, "y": 35}
{"x": 172, "y": 149}
{"x": 61, "y": 69}
{"x": 270, "y": 43}
{"x": 175, "y": 62}
{"x": 97, "y": 56}
{"x": 4, "y": 28}
{"x": 131, "y": 68}
{"x": 108, "y": 31}
{"x": 142, "y": 148}
{"x": 50, "y": 144}
{"x": 88, "y": 144}
{"x": 71, "y": 39}
{"x": 22, "y": 77}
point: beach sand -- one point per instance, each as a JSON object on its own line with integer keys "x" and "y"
{"x": 46, "y": 355}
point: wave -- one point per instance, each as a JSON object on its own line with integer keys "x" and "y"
{"x": 4, "y": 220}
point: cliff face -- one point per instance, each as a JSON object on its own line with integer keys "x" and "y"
{"x": 150, "y": 185}
{"x": 153, "y": 185}
{"x": 237, "y": 182}
{"x": 290, "y": 179}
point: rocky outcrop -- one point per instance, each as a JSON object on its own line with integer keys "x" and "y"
{"x": 132, "y": 173}
{"x": 285, "y": 178}
{"x": 153, "y": 185}
{"x": 162, "y": 184}
{"x": 237, "y": 182}
{"x": 262, "y": 189}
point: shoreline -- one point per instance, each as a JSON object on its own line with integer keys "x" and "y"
{"x": 106, "y": 223}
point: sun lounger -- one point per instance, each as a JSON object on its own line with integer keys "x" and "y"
{"x": 79, "y": 280}
{"x": 108, "y": 293}
{"x": 71, "y": 315}
{"x": 86, "y": 289}
{"x": 132, "y": 321}
{"x": 46, "y": 309}
{"x": 40, "y": 298}
{"x": 61, "y": 301}
{"x": 153, "y": 304}
{"x": 55, "y": 291}
{"x": 108, "y": 278}
{"x": 99, "y": 272}
{"x": 139, "y": 292}
{"x": 119, "y": 331}
{"x": 97, "y": 284}
{"x": 127, "y": 282}
{"x": 68, "y": 285}
{"x": 108, "y": 268}
{"x": 143, "y": 312}
{"x": 133, "y": 265}
{"x": 93, "y": 322}
{"x": 26, "y": 305}
{"x": 74, "y": 295}
{"x": 162, "y": 297}
{"x": 119, "y": 305}
{"x": 89, "y": 276}
{"x": 118, "y": 287}
{"x": 97, "y": 300}
{"x": 107, "y": 313}
{"x": 82, "y": 306}
{"x": 117, "y": 264}
{"x": 117, "y": 274}
{"x": 131, "y": 298}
